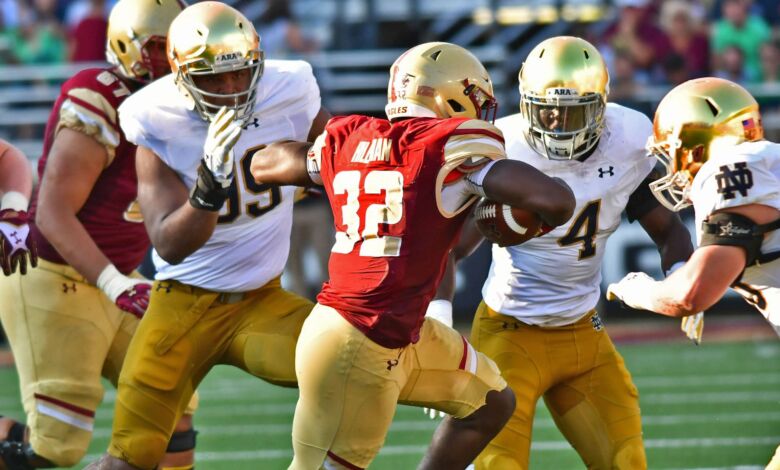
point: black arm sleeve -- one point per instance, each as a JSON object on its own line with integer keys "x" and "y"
{"x": 642, "y": 200}
{"x": 730, "y": 229}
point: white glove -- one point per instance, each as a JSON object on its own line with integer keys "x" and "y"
{"x": 630, "y": 289}
{"x": 129, "y": 294}
{"x": 224, "y": 131}
{"x": 693, "y": 327}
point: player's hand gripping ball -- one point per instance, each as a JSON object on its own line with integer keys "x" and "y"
{"x": 506, "y": 225}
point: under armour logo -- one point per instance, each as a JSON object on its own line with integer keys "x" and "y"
{"x": 392, "y": 363}
{"x": 66, "y": 287}
{"x": 16, "y": 238}
{"x": 164, "y": 285}
{"x": 609, "y": 171}
{"x": 596, "y": 321}
{"x": 255, "y": 123}
{"x": 740, "y": 179}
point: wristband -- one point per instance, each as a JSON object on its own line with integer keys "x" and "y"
{"x": 207, "y": 194}
{"x": 14, "y": 200}
{"x": 113, "y": 283}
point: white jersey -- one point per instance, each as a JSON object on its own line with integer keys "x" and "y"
{"x": 251, "y": 241}
{"x": 554, "y": 279}
{"x": 748, "y": 173}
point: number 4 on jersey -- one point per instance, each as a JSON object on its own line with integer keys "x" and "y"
{"x": 583, "y": 230}
{"x": 392, "y": 183}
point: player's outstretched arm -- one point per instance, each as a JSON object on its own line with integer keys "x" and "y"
{"x": 175, "y": 227}
{"x": 282, "y": 163}
{"x": 521, "y": 185}
{"x": 693, "y": 288}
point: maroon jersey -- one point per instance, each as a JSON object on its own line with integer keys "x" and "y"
{"x": 393, "y": 230}
{"x": 88, "y": 103}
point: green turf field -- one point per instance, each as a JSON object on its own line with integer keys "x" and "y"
{"x": 716, "y": 406}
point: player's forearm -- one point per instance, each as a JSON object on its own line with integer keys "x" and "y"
{"x": 72, "y": 241}
{"x": 182, "y": 232}
{"x": 282, "y": 163}
{"x": 670, "y": 298}
{"x": 521, "y": 185}
{"x": 15, "y": 173}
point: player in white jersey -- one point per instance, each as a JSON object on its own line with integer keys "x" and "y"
{"x": 538, "y": 319}
{"x": 707, "y": 132}
{"x": 221, "y": 241}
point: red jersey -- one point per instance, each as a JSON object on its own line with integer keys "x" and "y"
{"x": 88, "y": 104}
{"x": 393, "y": 231}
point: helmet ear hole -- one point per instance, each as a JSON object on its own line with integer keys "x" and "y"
{"x": 122, "y": 47}
{"x": 456, "y": 106}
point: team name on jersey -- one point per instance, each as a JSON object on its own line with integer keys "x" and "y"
{"x": 372, "y": 151}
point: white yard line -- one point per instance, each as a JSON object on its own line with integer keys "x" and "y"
{"x": 268, "y": 454}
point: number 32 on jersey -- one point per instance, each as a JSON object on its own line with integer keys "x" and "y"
{"x": 389, "y": 212}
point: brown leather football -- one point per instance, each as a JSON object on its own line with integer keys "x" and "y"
{"x": 506, "y": 225}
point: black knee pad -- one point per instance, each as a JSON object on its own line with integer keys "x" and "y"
{"x": 16, "y": 455}
{"x": 182, "y": 441}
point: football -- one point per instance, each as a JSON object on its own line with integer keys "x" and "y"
{"x": 506, "y": 225}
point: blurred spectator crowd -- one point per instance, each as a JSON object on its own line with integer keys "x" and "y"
{"x": 56, "y": 31}
{"x": 657, "y": 42}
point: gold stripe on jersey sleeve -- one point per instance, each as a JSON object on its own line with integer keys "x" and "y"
{"x": 97, "y": 121}
{"x": 461, "y": 148}
{"x": 480, "y": 124}
{"x": 468, "y": 152}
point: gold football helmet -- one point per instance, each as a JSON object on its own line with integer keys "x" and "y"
{"x": 563, "y": 93}
{"x": 691, "y": 122}
{"x": 439, "y": 79}
{"x": 137, "y": 31}
{"x": 213, "y": 38}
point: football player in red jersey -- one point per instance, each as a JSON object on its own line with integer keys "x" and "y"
{"x": 69, "y": 321}
{"x": 16, "y": 248}
{"x": 400, "y": 190}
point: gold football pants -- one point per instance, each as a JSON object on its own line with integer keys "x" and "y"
{"x": 65, "y": 334}
{"x": 184, "y": 333}
{"x": 350, "y": 387}
{"x": 584, "y": 382}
